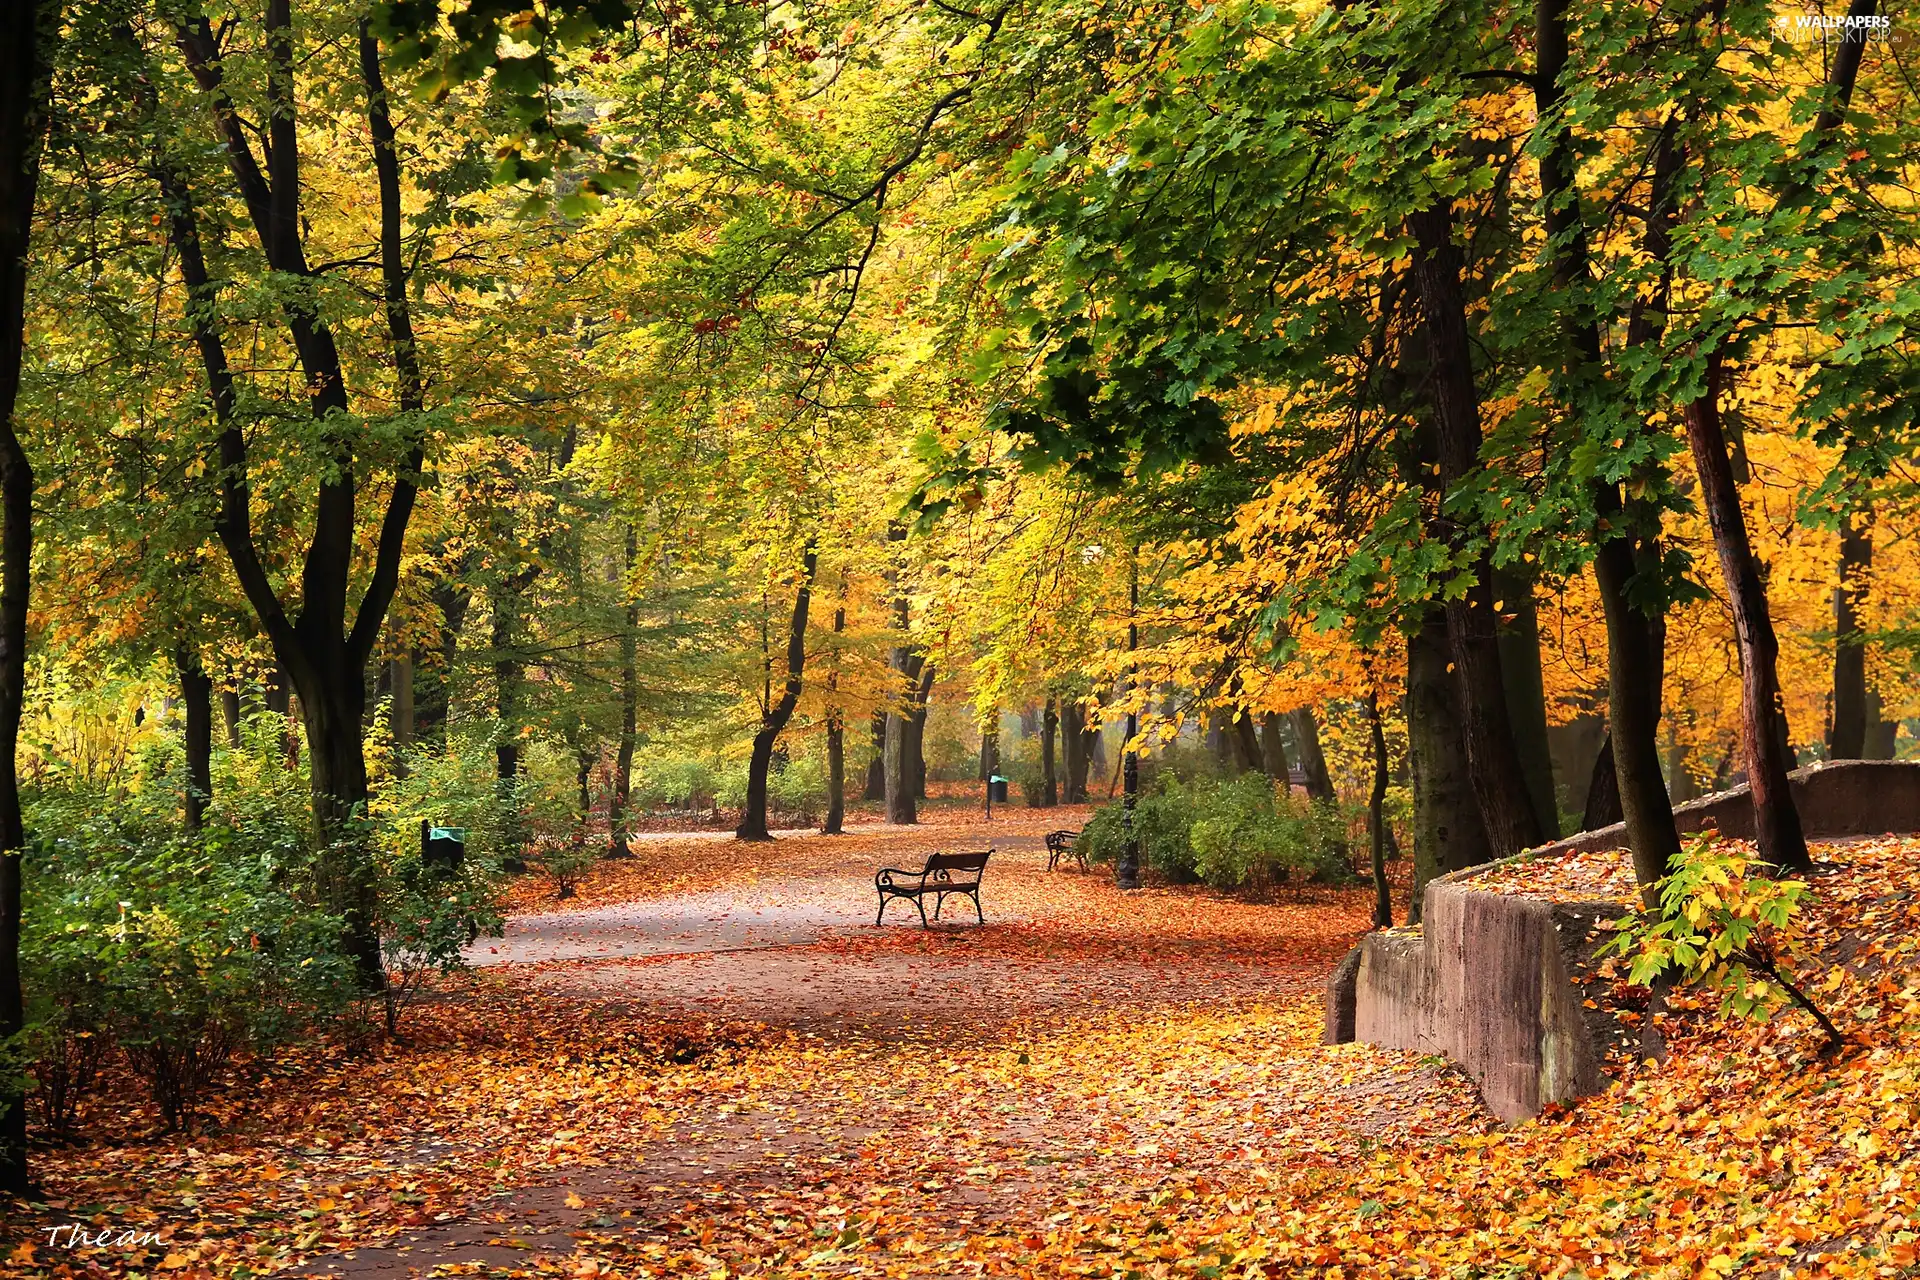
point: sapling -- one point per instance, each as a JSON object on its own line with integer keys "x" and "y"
{"x": 1726, "y": 928}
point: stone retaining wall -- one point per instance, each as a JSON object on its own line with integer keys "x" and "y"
{"x": 1494, "y": 981}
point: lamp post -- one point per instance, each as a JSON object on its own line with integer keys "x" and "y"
{"x": 1126, "y": 870}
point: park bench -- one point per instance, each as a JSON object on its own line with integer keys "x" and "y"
{"x": 944, "y": 873}
{"x": 1064, "y": 844}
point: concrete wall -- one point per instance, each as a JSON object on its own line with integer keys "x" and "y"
{"x": 1488, "y": 980}
{"x": 1495, "y": 981}
{"x": 1836, "y": 798}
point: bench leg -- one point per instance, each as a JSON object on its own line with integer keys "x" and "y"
{"x": 939, "y": 901}
{"x": 921, "y": 907}
{"x": 881, "y": 912}
{"x": 980, "y": 917}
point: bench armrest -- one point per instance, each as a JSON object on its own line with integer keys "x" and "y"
{"x": 885, "y": 875}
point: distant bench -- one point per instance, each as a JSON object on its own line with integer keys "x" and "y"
{"x": 944, "y": 873}
{"x": 1064, "y": 844}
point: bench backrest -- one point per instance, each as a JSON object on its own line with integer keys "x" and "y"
{"x": 958, "y": 861}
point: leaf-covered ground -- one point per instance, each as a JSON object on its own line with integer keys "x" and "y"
{"x": 1093, "y": 1084}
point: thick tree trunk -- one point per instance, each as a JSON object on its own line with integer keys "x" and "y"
{"x": 901, "y": 793}
{"x": 1273, "y": 751}
{"x": 1848, "y": 738}
{"x": 1881, "y": 733}
{"x": 1049, "y": 730}
{"x": 619, "y": 807}
{"x": 1313, "y": 761}
{"x": 196, "y": 698}
{"x": 1493, "y": 758}
{"x": 753, "y": 820}
{"x": 28, "y": 30}
{"x": 337, "y": 766}
{"x": 1377, "y": 819}
{"x": 323, "y": 654}
{"x": 1073, "y": 750}
{"x": 1519, "y": 641}
{"x": 1219, "y": 744}
{"x": 1246, "y": 739}
{"x": 1777, "y": 829}
{"x": 1635, "y": 637}
{"x": 1448, "y": 833}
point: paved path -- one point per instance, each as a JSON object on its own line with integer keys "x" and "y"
{"x": 898, "y": 1075}
{"x": 824, "y": 896}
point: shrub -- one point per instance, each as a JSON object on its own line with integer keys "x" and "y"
{"x": 675, "y": 782}
{"x": 179, "y": 950}
{"x": 1235, "y": 834}
{"x": 799, "y": 788}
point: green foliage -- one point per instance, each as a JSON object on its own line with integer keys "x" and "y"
{"x": 1723, "y": 925}
{"x": 178, "y": 950}
{"x": 1232, "y": 834}
{"x": 1250, "y": 836}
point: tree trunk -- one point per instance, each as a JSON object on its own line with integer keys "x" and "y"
{"x": 1635, "y": 637}
{"x": 323, "y": 655}
{"x": 1848, "y": 737}
{"x": 917, "y": 731}
{"x": 1049, "y": 729}
{"x": 1377, "y": 819}
{"x": 28, "y": 31}
{"x": 230, "y": 714}
{"x": 1519, "y": 641}
{"x": 1448, "y": 833}
{"x": 337, "y": 765}
{"x": 1881, "y": 733}
{"x": 990, "y": 750}
{"x": 836, "y": 731}
{"x": 1602, "y": 808}
{"x": 1313, "y": 761}
{"x": 1493, "y": 758}
{"x": 1777, "y": 830}
{"x": 196, "y": 697}
{"x": 1273, "y": 750}
{"x": 753, "y": 820}
{"x": 898, "y": 758}
{"x": 508, "y": 673}
{"x": 1073, "y": 750}
{"x": 1776, "y": 821}
{"x": 618, "y": 808}
{"x": 1219, "y": 744}
{"x": 1247, "y": 754}
{"x": 400, "y": 680}
{"x": 876, "y": 786}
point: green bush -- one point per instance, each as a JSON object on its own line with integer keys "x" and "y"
{"x": 676, "y": 782}
{"x": 1234, "y": 834}
{"x": 799, "y": 788}
{"x": 177, "y": 950}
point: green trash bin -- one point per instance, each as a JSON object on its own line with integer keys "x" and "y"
{"x": 998, "y": 786}
{"x": 442, "y": 847}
